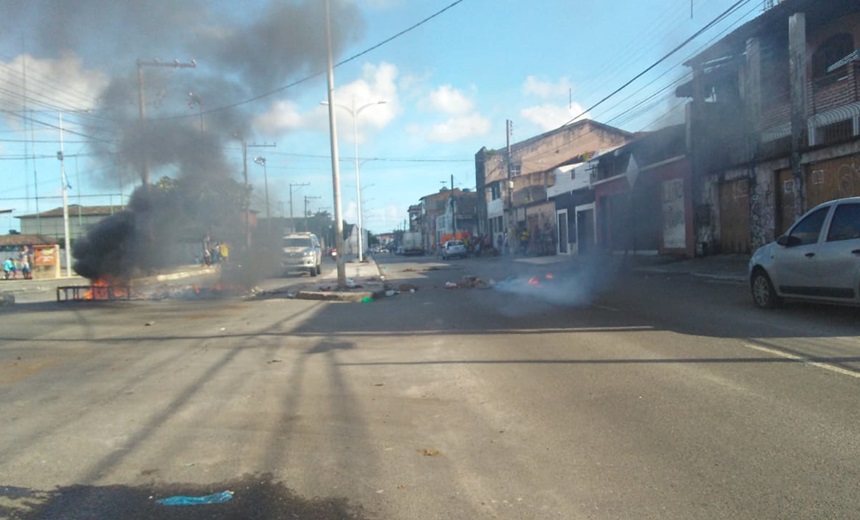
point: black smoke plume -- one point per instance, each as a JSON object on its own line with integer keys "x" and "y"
{"x": 242, "y": 53}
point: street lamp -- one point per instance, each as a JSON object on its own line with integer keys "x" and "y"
{"x": 354, "y": 113}
{"x": 262, "y": 161}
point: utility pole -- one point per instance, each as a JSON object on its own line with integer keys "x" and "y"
{"x": 292, "y": 223}
{"x": 142, "y": 98}
{"x": 510, "y": 183}
{"x": 307, "y": 198}
{"x": 67, "y": 244}
{"x": 335, "y": 168}
{"x": 453, "y": 210}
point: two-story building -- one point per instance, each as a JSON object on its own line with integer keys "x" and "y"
{"x": 444, "y": 215}
{"x": 774, "y": 121}
{"x": 512, "y": 183}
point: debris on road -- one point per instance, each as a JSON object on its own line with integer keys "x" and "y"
{"x": 470, "y": 282}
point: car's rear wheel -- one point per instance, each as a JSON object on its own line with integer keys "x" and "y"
{"x": 763, "y": 293}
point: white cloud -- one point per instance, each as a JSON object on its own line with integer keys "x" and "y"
{"x": 449, "y": 100}
{"x": 462, "y": 121}
{"x": 547, "y": 89}
{"x": 283, "y": 116}
{"x": 459, "y": 127}
{"x": 61, "y": 82}
{"x": 378, "y": 83}
{"x": 373, "y": 97}
{"x": 549, "y": 117}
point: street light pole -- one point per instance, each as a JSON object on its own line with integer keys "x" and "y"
{"x": 354, "y": 113}
{"x": 67, "y": 241}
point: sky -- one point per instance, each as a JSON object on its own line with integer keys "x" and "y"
{"x": 420, "y": 86}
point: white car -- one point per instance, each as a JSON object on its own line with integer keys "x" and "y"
{"x": 301, "y": 252}
{"x": 454, "y": 248}
{"x": 817, "y": 259}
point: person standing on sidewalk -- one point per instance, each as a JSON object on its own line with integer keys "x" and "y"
{"x": 25, "y": 261}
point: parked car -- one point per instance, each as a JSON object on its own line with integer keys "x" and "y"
{"x": 301, "y": 252}
{"x": 817, "y": 259}
{"x": 453, "y": 249}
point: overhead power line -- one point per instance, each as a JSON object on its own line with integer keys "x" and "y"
{"x": 680, "y": 46}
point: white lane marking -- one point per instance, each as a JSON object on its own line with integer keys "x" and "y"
{"x": 806, "y": 360}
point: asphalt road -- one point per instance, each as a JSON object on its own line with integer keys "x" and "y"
{"x": 484, "y": 389}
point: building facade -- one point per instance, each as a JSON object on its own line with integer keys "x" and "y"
{"x": 774, "y": 122}
{"x": 512, "y": 183}
{"x": 52, "y": 223}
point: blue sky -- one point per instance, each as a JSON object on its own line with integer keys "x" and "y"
{"x": 448, "y": 86}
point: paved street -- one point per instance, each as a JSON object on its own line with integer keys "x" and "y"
{"x": 523, "y": 388}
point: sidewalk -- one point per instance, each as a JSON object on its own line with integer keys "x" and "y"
{"x": 729, "y": 267}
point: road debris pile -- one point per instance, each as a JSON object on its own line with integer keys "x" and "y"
{"x": 470, "y": 282}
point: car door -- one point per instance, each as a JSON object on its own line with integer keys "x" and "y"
{"x": 795, "y": 263}
{"x": 838, "y": 258}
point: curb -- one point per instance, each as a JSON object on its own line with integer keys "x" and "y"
{"x": 348, "y": 295}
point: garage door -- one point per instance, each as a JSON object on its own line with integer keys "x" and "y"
{"x": 735, "y": 217}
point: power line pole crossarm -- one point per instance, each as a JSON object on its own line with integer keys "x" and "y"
{"x": 141, "y": 95}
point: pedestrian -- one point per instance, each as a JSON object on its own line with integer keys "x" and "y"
{"x": 224, "y": 252}
{"x": 10, "y": 268}
{"x": 207, "y": 251}
{"x": 24, "y": 260}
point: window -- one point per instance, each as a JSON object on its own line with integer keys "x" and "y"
{"x": 845, "y": 224}
{"x": 495, "y": 191}
{"x": 832, "y": 50}
{"x": 808, "y": 229}
{"x": 835, "y": 132}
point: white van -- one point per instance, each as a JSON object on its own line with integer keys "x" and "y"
{"x": 301, "y": 252}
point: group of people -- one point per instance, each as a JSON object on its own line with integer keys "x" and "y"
{"x": 215, "y": 252}
{"x": 21, "y": 263}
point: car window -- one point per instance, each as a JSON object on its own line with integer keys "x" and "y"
{"x": 845, "y": 224}
{"x": 808, "y": 229}
{"x": 298, "y": 242}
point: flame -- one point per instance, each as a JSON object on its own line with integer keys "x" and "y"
{"x": 105, "y": 289}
